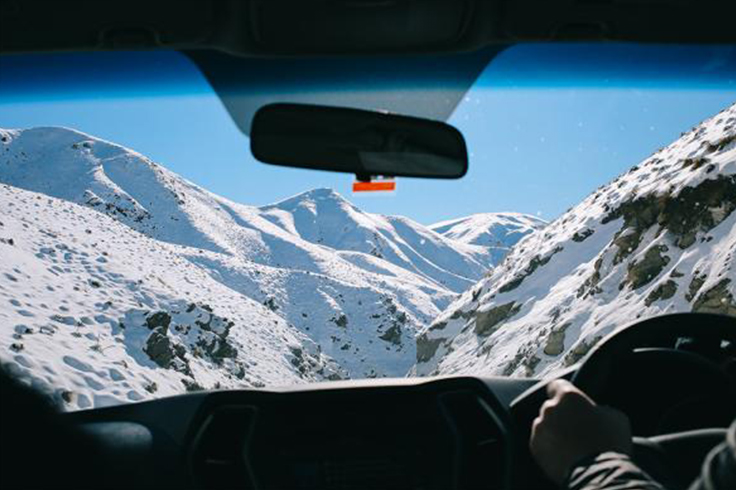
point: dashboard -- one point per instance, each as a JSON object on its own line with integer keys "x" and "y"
{"x": 672, "y": 375}
{"x": 411, "y": 434}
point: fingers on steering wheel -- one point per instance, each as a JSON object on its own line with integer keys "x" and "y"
{"x": 565, "y": 392}
{"x": 557, "y": 387}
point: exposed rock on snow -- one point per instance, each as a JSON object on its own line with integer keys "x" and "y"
{"x": 660, "y": 238}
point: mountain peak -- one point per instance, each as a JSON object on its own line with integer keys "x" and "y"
{"x": 320, "y": 195}
{"x": 58, "y": 134}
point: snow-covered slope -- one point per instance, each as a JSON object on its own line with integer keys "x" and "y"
{"x": 660, "y": 238}
{"x": 331, "y": 291}
{"x": 496, "y": 232}
{"x": 97, "y": 314}
{"x": 323, "y": 217}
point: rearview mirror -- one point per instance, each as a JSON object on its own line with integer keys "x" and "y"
{"x": 355, "y": 141}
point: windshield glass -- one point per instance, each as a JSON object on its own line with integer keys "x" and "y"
{"x": 144, "y": 253}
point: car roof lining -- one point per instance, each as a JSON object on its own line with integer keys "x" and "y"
{"x": 265, "y": 28}
{"x": 362, "y": 39}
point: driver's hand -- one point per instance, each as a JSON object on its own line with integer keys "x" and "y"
{"x": 571, "y": 427}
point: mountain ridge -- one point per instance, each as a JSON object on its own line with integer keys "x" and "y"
{"x": 337, "y": 310}
{"x": 659, "y": 238}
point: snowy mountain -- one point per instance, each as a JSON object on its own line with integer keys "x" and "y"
{"x": 125, "y": 280}
{"x": 97, "y": 314}
{"x": 660, "y": 238}
{"x": 496, "y": 232}
{"x": 324, "y": 217}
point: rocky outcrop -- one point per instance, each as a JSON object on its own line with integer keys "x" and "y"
{"x": 658, "y": 238}
{"x": 644, "y": 271}
{"x": 486, "y": 322}
{"x": 555, "y": 344}
{"x": 663, "y": 292}
{"x": 535, "y": 263}
{"x": 427, "y": 348}
{"x": 717, "y": 299}
{"x": 694, "y": 210}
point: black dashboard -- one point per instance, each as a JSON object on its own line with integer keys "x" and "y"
{"x": 406, "y": 433}
{"x": 671, "y": 375}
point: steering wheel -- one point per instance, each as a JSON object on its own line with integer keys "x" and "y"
{"x": 639, "y": 340}
{"x": 599, "y": 364}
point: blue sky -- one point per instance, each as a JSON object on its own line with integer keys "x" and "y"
{"x": 536, "y": 148}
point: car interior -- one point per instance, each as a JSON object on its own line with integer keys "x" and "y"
{"x": 674, "y": 375}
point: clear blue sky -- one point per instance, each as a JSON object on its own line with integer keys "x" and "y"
{"x": 536, "y": 148}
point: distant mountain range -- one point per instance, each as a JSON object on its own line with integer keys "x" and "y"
{"x": 496, "y": 232}
{"x": 127, "y": 281}
{"x": 660, "y": 238}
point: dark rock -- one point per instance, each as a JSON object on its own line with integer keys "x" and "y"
{"x": 159, "y": 348}
{"x": 717, "y": 299}
{"x": 580, "y": 350}
{"x": 486, "y": 322}
{"x": 694, "y": 209}
{"x": 695, "y": 162}
{"x": 159, "y": 319}
{"x": 695, "y": 284}
{"x": 427, "y": 348}
{"x": 663, "y": 291}
{"x": 556, "y": 340}
{"x": 192, "y": 385}
{"x": 580, "y": 236}
{"x": 270, "y": 303}
{"x": 534, "y": 264}
{"x": 392, "y": 335}
{"x": 647, "y": 269}
{"x": 437, "y": 326}
{"x": 530, "y": 364}
{"x": 590, "y": 286}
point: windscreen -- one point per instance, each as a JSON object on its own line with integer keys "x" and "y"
{"x": 144, "y": 252}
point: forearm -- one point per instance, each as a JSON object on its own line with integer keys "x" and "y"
{"x": 610, "y": 471}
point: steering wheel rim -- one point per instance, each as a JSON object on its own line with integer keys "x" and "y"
{"x": 595, "y": 368}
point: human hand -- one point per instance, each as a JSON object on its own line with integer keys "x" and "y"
{"x": 570, "y": 427}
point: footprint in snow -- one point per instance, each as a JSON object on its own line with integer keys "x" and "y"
{"x": 134, "y": 396}
{"x": 83, "y": 401}
{"x": 21, "y": 329}
{"x": 77, "y": 364}
{"x": 93, "y": 383}
{"x": 24, "y": 361}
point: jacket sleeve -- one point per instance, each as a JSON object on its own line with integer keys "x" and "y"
{"x": 719, "y": 467}
{"x": 615, "y": 471}
{"x": 610, "y": 471}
